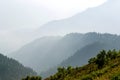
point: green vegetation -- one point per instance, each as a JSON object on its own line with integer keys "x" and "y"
{"x": 32, "y": 78}
{"x": 10, "y": 69}
{"x": 105, "y": 66}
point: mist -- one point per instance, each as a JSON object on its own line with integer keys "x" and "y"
{"x": 20, "y": 20}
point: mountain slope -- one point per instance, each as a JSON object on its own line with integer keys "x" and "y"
{"x": 93, "y": 43}
{"x": 46, "y": 49}
{"x": 33, "y": 54}
{"x": 98, "y": 19}
{"x": 81, "y": 56}
{"x": 105, "y": 66}
{"x": 10, "y": 69}
{"x": 47, "y": 52}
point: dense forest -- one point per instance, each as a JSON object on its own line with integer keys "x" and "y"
{"x": 104, "y": 66}
{"x": 10, "y": 69}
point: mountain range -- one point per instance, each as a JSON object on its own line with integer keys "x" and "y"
{"x": 92, "y": 44}
{"x": 47, "y": 52}
{"x": 98, "y": 19}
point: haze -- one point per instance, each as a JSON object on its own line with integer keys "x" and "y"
{"x": 19, "y": 18}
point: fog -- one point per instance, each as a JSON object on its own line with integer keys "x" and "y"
{"x": 20, "y": 19}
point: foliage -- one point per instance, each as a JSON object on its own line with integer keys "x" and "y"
{"x": 101, "y": 67}
{"x": 32, "y": 78}
{"x": 105, "y": 66}
{"x": 103, "y": 57}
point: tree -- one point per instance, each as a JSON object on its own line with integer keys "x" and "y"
{"x": 69, "y": 70}
{"x": 32, "y": 78}
{"x": 101, "y": 59}
{"x": 92, "y": 60}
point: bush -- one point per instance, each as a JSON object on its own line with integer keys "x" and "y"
{"x": 88, "y": 77}
{"x": 116, "y": 78}
{"x": 32, "y": 78}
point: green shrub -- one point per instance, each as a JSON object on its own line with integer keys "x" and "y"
{"x": 32, "y": 78}
{"x": 87, "y": 77}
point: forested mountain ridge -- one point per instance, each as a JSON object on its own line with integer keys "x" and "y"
{"x": 46, "y": 49}
{"x": 89, "y": 45}
{"x": 11, "y": 69}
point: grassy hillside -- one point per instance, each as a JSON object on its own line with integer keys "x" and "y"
{"x": 105, "y": 66}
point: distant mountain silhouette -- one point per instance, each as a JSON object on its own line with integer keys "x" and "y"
{"x": 104, "y": 18}
{"x": 33, "y": 54}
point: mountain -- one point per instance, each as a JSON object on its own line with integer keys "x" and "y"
{"x": 91, "y": 44}
{"x": 104, "y": 66}
{"x": 47, "y": 52}
{"x": 42, "y": 52}
{"x": 104, "y": 18}
{"x": 33, "y": 54}
{"x": 81, "y": 56}
{"x": 11, "y": 69}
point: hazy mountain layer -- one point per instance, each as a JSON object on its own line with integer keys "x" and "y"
{"x": 104, "y": 18}
{"x": 93, "y": 43}
{"x": 48, "y": 52}
{"x": 34, "y": 53}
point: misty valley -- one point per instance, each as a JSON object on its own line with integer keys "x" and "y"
{"x": 85, "y": 46}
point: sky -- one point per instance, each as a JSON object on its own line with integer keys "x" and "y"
{"x": 19, "y": 18}
{"x": 65, "y": 8}
{"x": 33, "y": 13}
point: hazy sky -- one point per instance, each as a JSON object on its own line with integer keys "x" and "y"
{"x": 18, "y": 18}
{"x": 32, "y": 13}
{"x": 65, "y": 8}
